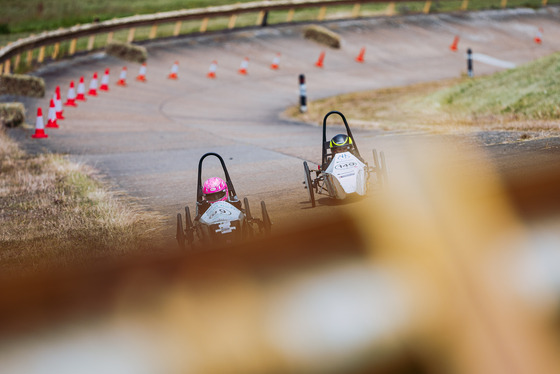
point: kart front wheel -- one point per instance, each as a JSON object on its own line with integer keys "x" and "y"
{"x": 180, "y": 233}
{"x": 309, "y": 183}
{"x": 248, "y": 219}
{"x": 266, "y": 219}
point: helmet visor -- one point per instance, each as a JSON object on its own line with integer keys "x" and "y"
{"x": 215, "y": 196}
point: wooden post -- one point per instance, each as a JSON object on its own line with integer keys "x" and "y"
{"x": 322, "y": 13}
{"x": 72, "y": 47}
{"x": 356, "y": 10}
{"x": 232, "y": 20}
{"x": 130, "y": 37}
{"x": 109, "y": 37}
{"x": 290, "y": 16}
{"x": 17, "y": 61}
{"x": 7, "y": 66}
{"x": 177, "y": 28}
{"x": 29, "y": 57}
{"x": 465, "y": 5}
{"x": 260, "y": 18}
{"x": 504, "y": 3}
{"x": 1, "y": 67}
{"x": 41, "y": 55}
{"x": 90, "y": 42}
{"x": 153, "y": 32}
{"x": 391, "y": 9}
{"x": 55, "y": 51}
{"x": 204, "y": 24}
{"x": 544, "y": 2}
{"x": 427, "y": 7}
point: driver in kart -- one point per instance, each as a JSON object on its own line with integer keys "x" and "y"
{"x": 215, "y": 189}
{"x": 340, "y": 143}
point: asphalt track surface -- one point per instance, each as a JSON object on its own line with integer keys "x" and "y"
{"x": 146, "y": 139}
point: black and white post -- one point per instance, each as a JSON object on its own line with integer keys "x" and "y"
{"x": 469, "y": 63}
{"x": 302, "y": 94}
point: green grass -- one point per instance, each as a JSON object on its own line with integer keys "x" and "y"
{"x": 531, "y": 91}
{"x": 525, "y": 98}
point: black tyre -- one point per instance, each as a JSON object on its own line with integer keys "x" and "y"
{"x": 189, "y": 229}
{"x": 249, "y": 232}
{"x": 309, "y": 183}
{"x": 180, "y": 233}
{"x": 266, "y": 219}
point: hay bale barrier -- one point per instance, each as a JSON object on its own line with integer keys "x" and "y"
{"x": 322, "y": 35}
{"x": 127, "y": 52}
{"x": 22, "y": 85}
{"x": 11, "y": 114}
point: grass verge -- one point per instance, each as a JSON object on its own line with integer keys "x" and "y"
{"x": 525, "y": 98}
{"x": 53, "y": 213}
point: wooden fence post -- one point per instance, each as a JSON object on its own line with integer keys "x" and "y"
{"x": 29, "y": 57}
{"x": 290, "y": 16}
{"x": 153, "y": 32}
{"x": 7, "y": 66}
{"x": 356, "y": 10}
{"x": 130, "y": 37}
{"x": 504, "y": 3}
{"x": 391, "y": 9}
{"x": 109, "y": 38}
{"x": 204, "y": 24}
{"x": 41, "y": 57}
{"x": 55, "y": 51}
{"x": 177, "y": 28}
{"x": 465, "y": 5}
{"x": 260, "y": 18}
{"x": 90, "y": 43}
{"x": 427, "y": 7}
{"x": 322, "y": 13}
{"x": 544, "y": 2}
{"x": 16, "y": 62}
{"x": 72, "y": 47}
{"x": 232, "y": 20}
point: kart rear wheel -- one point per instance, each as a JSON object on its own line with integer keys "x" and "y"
{"x": 266, "y": 219}
{"x": 189, "y": 230}
{"x": 180, "y": 233}
{"x": 309, "y": 183}
{"x": 248, "y": 219}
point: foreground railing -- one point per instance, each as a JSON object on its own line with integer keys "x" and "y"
{"x": 37, "y": 49}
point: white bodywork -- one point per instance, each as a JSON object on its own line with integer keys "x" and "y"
{"x": 346, "y": 174}
{"x": 222, "y": 213}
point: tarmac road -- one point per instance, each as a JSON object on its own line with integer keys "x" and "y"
{"x": 147, "y": 138}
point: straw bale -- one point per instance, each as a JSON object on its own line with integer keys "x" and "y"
{"x": 22, "y": 85}
{"x": 322, "y": 35}
{"x": 127, "y": 51}
{"x": 12, "y": 114}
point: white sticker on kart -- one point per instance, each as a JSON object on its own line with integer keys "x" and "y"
{"x": 225, "y": 227}
{"x": 349, "y": 172}
{"x": 221, "y": 212}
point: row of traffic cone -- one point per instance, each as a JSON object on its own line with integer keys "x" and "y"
{"x": 360, "y": 58}
{"x": 537, "y": 39}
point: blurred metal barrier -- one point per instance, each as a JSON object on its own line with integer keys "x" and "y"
{"x": 438, "y": 274}
{"x": 52, "y": 45}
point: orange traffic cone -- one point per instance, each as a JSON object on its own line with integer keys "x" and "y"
{"x": 320, "y": 60}
{"x": 122, "y": 78}
{"x": 93, "y": 86}
{"x": 244, "y": 65}
{"x": 141, "y": 77}
{"x": 538, "y": 37}
{"x": 71, "y": 96}
{"x": 275, "y": 62}
{"x": 105, "y": 81}
{"x": 360, "y": 57}
{"x": 174, "y": 71}
{"x": 52, "y": 116}
{"x": 212, "y": 69}
{"x": 453, "y": 45}
{"x": 58, "y": 104}
{"x": 81, "y": 90}
{"x": 39, "y": 126}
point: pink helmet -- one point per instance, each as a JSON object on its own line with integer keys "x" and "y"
{"x": 215, "y": 189}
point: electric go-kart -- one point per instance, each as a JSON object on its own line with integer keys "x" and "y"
{"x": 220, "y": 222}
{"x": 343, "y": 173}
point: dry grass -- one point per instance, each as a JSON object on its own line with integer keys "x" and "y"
{"x": 52, "y": 213}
